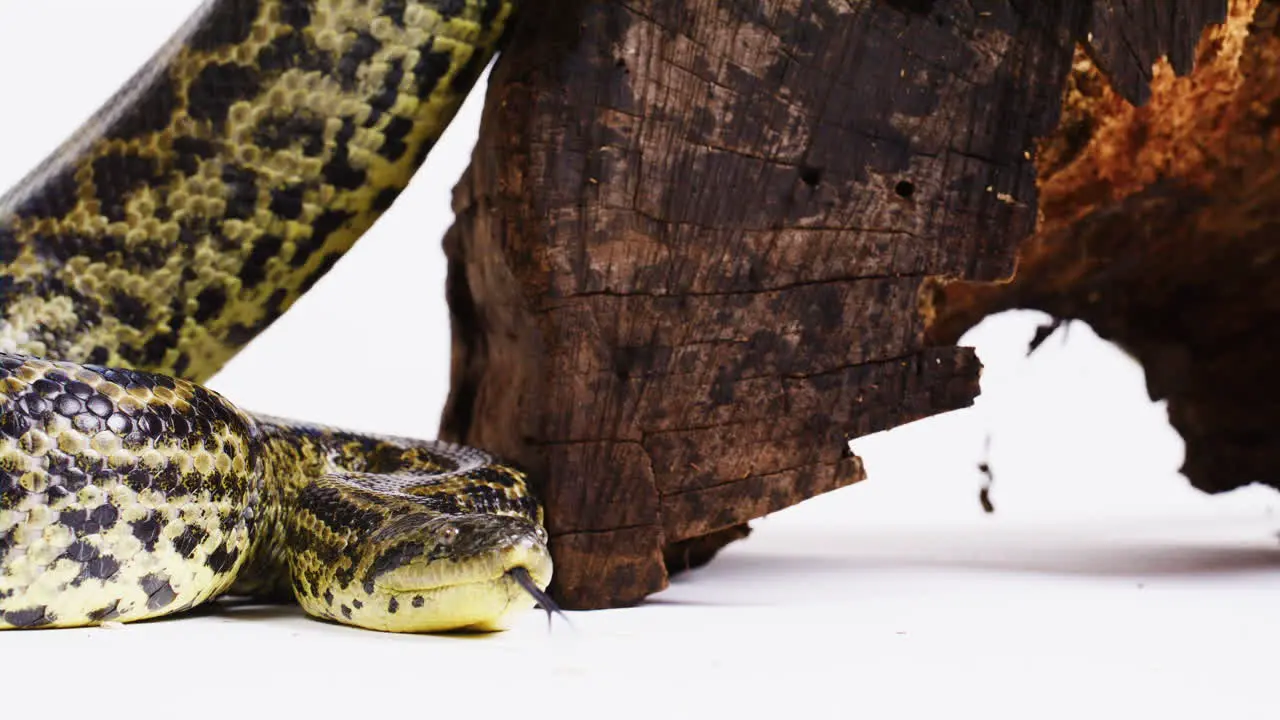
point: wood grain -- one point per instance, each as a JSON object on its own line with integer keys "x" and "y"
{"x": 690, "y": 250}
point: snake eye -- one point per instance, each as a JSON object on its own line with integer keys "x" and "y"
{"x": 448, "y": 533}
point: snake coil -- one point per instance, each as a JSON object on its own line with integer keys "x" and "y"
{"x": 230, "y": 173}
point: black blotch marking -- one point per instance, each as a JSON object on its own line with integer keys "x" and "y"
{"x": 431, "y": 66}
{"x": 29, "y": 617}
{"x": 221, "y": 560}
{"x": 494, "y": 476}
{"x": 287, "y": 201}
{"x": 385, "y": 198}
{"x": 217, "y": 88}
{"x": 104, "y": 516}
{"x": 393, "y": 605}
{"x": 209, "y": 303}
{"x": 419, "y": 601}
{"x": 339, "y": 171}
{"x": 116, "y": 176}
{"x": 157, "y": 347}
{"x": 190, "y": 539}
{"x": 292, "y": 51}
{"x": 296, "y": 13}
{"x": 9, "y": 483}
{"x": 346, "y": 612}
{"x": 326, "y": 264}
{"x": 151, "y": 425}
{"x": 80, "y": 551}
{"x": 99, "y": 355}
{"x": 229, "y": 23}
{"x": 451, "y": 8}
{"x": 130, "y": 310}
{"x": 328, "y": 505}
{"x": 102, "y": 567}
{"x": 254, "y": 270}
{"x": 93, "y": 564}
{"x": 357, "y": 604}
{"x": 325, "y": 225}
{"x": 394, "y": 9}
{"x": 396, "y": 557}
{"x": 159, "y": 592}
{"x": 146, "y": 530}
{"x": 361, "y": 51}
{"x": 9, "y": 247}
{"x": 89, "y": 522}
{"x": 387, "y": 97}
{"x": 393, "y": 146}
{"x": 810, "y": 175}
{"x": 328, "y": 597}
{"x": 13, "y": 424}
{"x": 905, "y": 189}
{"x": 241, "y": 191}
{"x": 181, "y": 363}
{"x": 103, "y": 614}
{"x": 281, "y": 133}
{"x": 190, "y": 152}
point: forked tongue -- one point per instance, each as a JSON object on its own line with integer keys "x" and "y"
{"x": 521, "y": 576}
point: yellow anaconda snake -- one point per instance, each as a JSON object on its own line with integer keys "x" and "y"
{"x": 210, "y": 192}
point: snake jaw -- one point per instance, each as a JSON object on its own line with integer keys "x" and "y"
{"x": 480, "y": 582}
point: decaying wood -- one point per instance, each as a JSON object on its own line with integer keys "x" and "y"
{"x": 1161, "y": 229}
{"x": 691, "y": 245}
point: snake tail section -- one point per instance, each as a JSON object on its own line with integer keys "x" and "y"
{"x": 229, "y": 174}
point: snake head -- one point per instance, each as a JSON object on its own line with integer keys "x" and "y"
{"x": 429, "y": 573}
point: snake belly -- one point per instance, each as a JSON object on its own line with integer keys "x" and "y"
{"x": 230, "y": 173}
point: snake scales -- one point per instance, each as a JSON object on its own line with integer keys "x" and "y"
{"x": 206, "y": 196}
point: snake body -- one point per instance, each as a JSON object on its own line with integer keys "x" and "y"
{"x": 208, "y": 194}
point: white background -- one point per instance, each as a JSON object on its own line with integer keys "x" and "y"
{"x": 1103, "y": 584}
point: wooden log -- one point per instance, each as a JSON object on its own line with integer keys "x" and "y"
{"x": 1161, "y": 229}
{"x": 690, "y": 249}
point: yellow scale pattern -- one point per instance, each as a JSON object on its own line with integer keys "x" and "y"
{"x": 226, "y": 177}
{"x": 237, "y": 156}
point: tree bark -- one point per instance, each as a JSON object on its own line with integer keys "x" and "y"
{"x": 691, "y": 246}
{"x": 1161, "y": 229}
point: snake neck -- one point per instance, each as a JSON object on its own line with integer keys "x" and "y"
{"x": 339, "y": 509}
{"x": 288, "y": 459}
